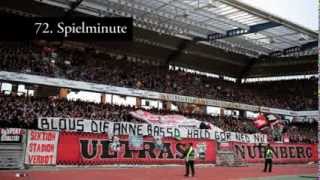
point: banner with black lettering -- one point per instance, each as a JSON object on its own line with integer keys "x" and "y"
{"x": 133, "y": 129}
{"x": 11, "y": 135}
{"x": 73, "y": 124}
{"x": 95, "y": 149}
{"x": 282, "y": 153}
{"x": 41, "y": 147}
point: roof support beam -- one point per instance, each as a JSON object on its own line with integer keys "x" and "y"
{"x": 239, "y": 31}
{"x": 246, "y": 70}
{"x": 295, "y": 49}
{"x": 181, "y": 47}
{"x": 73, "y": 6}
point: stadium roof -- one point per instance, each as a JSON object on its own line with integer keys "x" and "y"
{"x": 225, "y": 23}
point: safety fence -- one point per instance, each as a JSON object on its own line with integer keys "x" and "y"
{"x": 23, "y": 148}
{"x": 12, "y": 148}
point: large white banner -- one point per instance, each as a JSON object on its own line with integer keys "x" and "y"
{"x": 170, "y": 120}
{"x": 41, "y": 147}
{"x": 133, "y": 129}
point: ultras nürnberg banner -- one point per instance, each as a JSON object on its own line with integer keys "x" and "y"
{"x": 282, "y": 153}
{"x": 125, "y": 128}
{"x": 41, "y": 147}
{"x": 81, "y": 148}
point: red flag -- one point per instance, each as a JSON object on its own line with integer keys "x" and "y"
{"x": 260, "y": 121}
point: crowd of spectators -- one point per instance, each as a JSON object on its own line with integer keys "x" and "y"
{"x": 20, "y": 111}
{"x": 306, "y": 132}
{"x": 23, "y": 112}
{"x": 93, "y": 66}
{"x": 22, "y": 58}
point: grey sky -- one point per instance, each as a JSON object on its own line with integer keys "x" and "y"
{"x": 302, "y": 12}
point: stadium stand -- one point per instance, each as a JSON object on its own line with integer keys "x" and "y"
{"x": 119, "y": 70}
{"x": 22, "y": 112}
{"x": 200, "y": 61}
